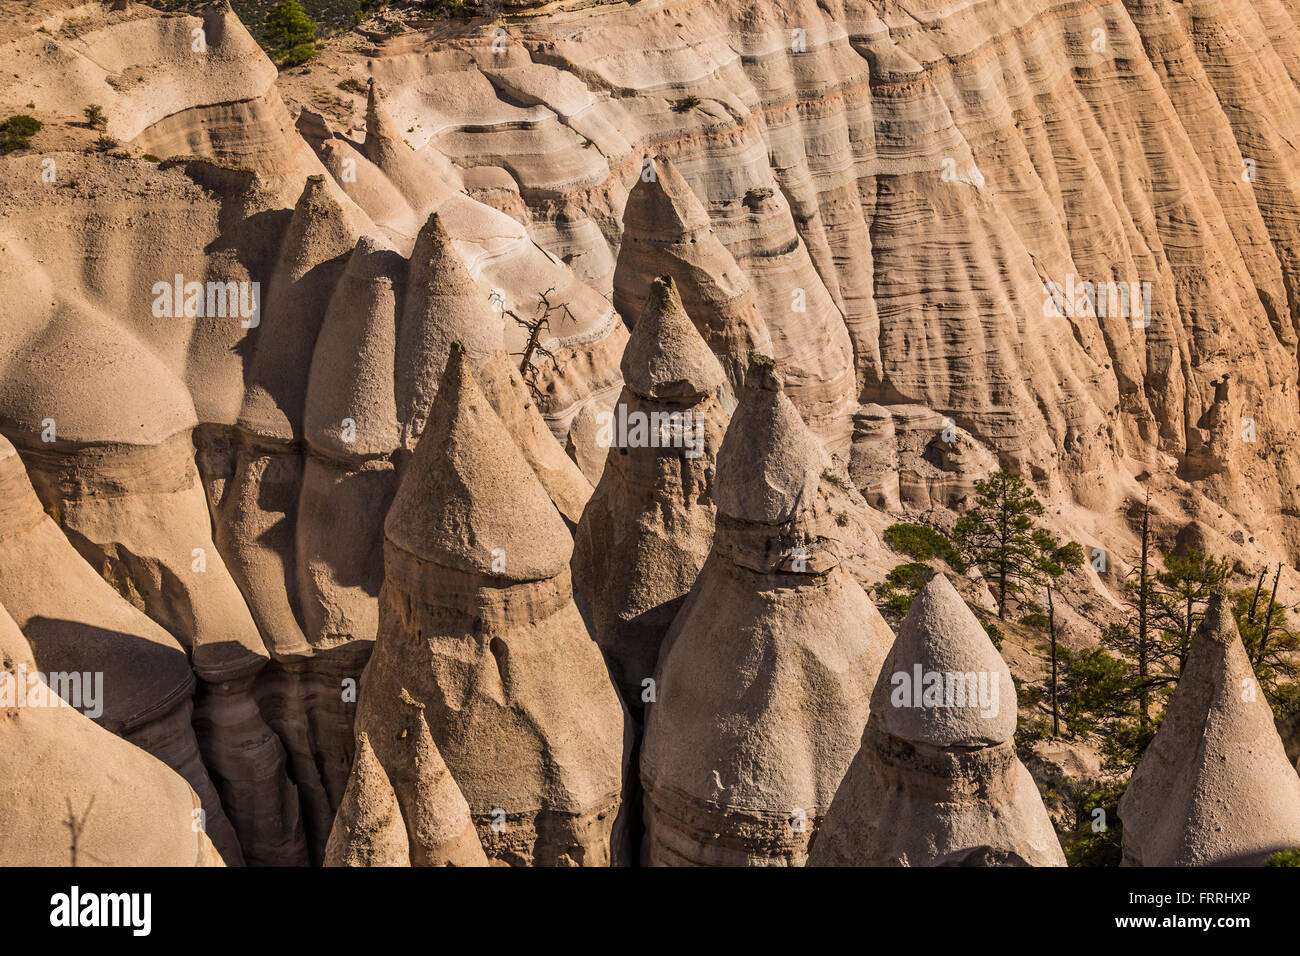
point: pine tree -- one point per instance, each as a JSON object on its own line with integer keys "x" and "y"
{"x": 1181, "y": 593}
{"x": 290, "y": 32}
{"x": 997, "y": 534}
{"x": 1274, "y": 652}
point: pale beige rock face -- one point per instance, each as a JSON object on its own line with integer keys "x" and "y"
{"x": 420, "y": 818}
{"x": 139, "y": 515}
{"x": 666, "y": 231}
{"x": 649, "y": 526}
{"x": 1215, "y": 787}
{"x": 55, "y": 763}
{"x": 76, "y": 622}
{"x": 478, "y": 624}
{"x": 937, "y": 781}
{"x": 920, "y": 177}
{"x": 738, "y": 768}
{"x": 920, "y": 161}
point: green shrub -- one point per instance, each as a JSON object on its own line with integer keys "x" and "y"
{"x": 95, "y": 117}
{"x": 297, "y": 56}
{"x": 921, "y": 543}
{"x": 1284, "y": 858}
{"x": 353, "y": 85}
{"x": 16, "y": 132}
{"x": 150, "y": 158}
{"x": 686, "y": 104}
{"x": 833, "y": 479}
{"x": 900, "y": 586}
{"x": 1097, "y": 837}
{"x": 104, "y": 144}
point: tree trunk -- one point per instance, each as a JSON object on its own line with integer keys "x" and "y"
{"x": 1268, "y": 618}
{"x": 1258, "y": 584}
{"x": 1002, "y": 566}
{"x": 1144, "y": 712}
{"x": 1051, "y": 629}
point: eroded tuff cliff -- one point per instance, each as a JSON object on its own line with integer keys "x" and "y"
{"x": 914, "y": 207}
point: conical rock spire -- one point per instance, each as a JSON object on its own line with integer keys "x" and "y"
{"x": 936, "y": 781}
{"x": 647, "y": 531}
{"x": 477, "y": 622}
{"x": 667, "y": 232}
{"x": 737, "y": 768}
{"x": 368, "y": 829}
{"x": 665, "y": 357}
{"x": 444, "y": 305}
{"x": 468, "y": 491}
{"x": 1215, "y": 786}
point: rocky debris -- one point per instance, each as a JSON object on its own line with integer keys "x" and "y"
{"x": 649, "y": 526}
{"x": 937, "y": 781}
{"x": 873, "y": 461}
{"x": 1215, "y": 786}
{"x": 60, "y": 771}
{"x": 738, "y": 769}
{"x": 938, "y": 462}
{"x": 477, "y": 622}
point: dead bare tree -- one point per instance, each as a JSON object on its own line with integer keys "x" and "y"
{"x": 539, "y": 324}
{"x": 75, "y": 826}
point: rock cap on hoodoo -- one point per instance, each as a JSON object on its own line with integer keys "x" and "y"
{"x": 666, "y": 357}
{"x": 770, "y": 464}
{"x": 469, "y": 500}
{"x": 668, "y": 201}
{"x": 942, "y": 646}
